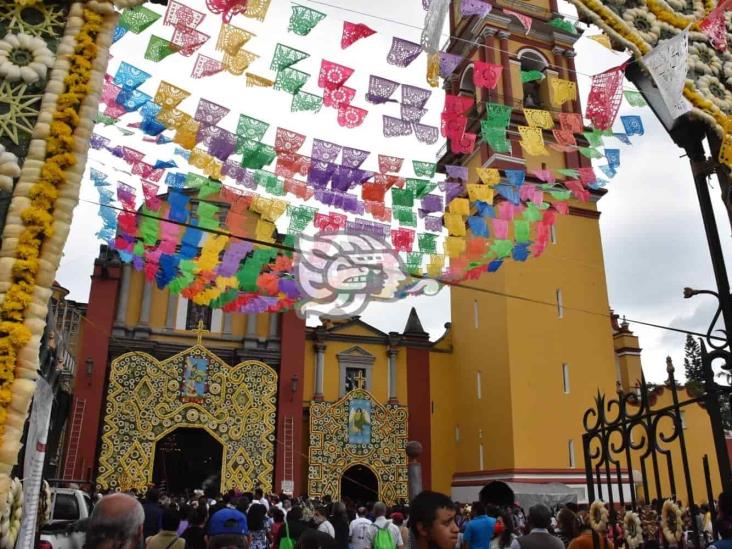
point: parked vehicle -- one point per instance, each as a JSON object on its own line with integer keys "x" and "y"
{"x": 67, "y": 527}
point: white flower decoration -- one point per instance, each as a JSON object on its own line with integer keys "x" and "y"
{"x": 704, "y": 59}
{"x": 598, "y": 516}
{"x": 714, "y": 90}
{"x": 9, "y": 169}
{"x": 645, "y": 24}
{"x": 633, "y": 530}
{"x": 24, "y": 57}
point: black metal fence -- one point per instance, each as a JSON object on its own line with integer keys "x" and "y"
{"x": 636, "y": 456}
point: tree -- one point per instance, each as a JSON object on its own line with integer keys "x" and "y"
{"x": 694, "y": 370}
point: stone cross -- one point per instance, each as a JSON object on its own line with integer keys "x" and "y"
{"x": 360, "y": 380}
{"x": 199, "y": 332}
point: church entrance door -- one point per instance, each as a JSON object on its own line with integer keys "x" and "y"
{"x": 359, "y": 483}
{"x": 187, "y": 459}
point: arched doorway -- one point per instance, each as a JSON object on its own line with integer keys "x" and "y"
{"x": 359, "y": 483}
{"x": 187, "y": 459}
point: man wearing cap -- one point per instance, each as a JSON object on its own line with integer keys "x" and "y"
{"x": 227, "y": 522}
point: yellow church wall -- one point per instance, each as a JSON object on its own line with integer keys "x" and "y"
{"x": 444, "y": 421}
{"x": 135, "y": 299}
{"x": 158, "y": 307}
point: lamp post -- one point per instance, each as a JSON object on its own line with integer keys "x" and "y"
{"x": 689, "y": 134}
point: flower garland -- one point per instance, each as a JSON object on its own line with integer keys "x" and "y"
{"x": 39, "y": 216}
{"x": 598, "y": 516}
{"x": 633, "y": 530}
{"x": 672, "y": 524}
{"x": 9, "y": 169}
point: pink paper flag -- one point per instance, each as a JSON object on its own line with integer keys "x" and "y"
{"x": 525, "y": 19}
{"x": 353, "y": 32}
{"x": 206, "y": 66}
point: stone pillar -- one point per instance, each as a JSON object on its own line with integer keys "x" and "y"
{"x": 274, "y": 326}
{"x": 171, "y": 311}
{"x": 571, "y": 75}
{"x": 252, "y": 325}
{"x": 124, "y": 295}
{"x": 414, "y": 468}
{"x": 392, "y": 352}
{"x": 146, "y": 303}
{"x": 503, "y": 37}
{"x": 319, "y": 369}
{"x": 227, "y": 323}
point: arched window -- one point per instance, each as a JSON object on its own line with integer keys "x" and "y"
{"x": 467, "y": 85}
{"x": 532, "y": 60}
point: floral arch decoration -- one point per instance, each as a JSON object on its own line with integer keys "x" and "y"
{"x": 640, "y": 24}
{"x": 335, "y": 447}
{"x": 147, "y": 399}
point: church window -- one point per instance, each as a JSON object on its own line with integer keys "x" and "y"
{"x": 457, "y": 433}
{"x": 198, "y": 313}
{"x": 475, "y": 313}
{"x": 570, "y": 448}
{"x": 532, "y": 60}
{"x": 354, "y": 363}
{"x": 553, "y": 234}
{"x": 565, "y": 378}
{"x": 683, "y": 419}
{"x": 481, "y": 457}
{"x": 478, "y": 385}
{"x": 560, "y": 304}
{"x": 467, "y": 85}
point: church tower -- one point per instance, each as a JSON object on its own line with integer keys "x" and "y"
{"x": 531, "y": 343}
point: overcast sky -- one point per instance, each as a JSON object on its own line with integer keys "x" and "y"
{"x": 653, "y": 238}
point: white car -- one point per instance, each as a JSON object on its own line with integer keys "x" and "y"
{"x": 66, "y": 529}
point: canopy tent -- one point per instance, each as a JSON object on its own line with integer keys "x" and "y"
{"x": 551, "y": 495}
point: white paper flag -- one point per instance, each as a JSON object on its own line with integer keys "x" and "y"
{"x": 667, "y": 63}
{"x": 434, "y": 21}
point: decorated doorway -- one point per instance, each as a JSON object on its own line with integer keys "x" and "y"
{"x": 187, "y": 459}
{"x": 359, "y": 484}
{"x": 149, "y": 401}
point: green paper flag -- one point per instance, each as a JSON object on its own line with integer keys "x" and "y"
{"x": 194, "y": 181}
{"x": 304, "y": 101}
{"x": 104, "y": 119}
{"x": 427, "y": 243}
{"x": 424, "y": 169}
{"x": 402, "y": 197}
{"x": 498, "y": 116}
{"x": 137, "y": 19}
{"x": 149, "y": 227}
{"x": 139, "y": 249}
{"x": 209, "y": 188}
{"x": 405, "y": 216}
{"x": 248, "y": 274}
{"x": 255, "y": 155}
{"x": 530, "y": 76}
{"x": 563, "y": 25}
{"x": 502, "y": 248}
{"x": 206, "y": 216}
{"x": 635, "y": 98}
{"x": 495, "y": 138}
{"x": 590, "y": 152}
{"x": 521, "y": 230}
{"x": 303, "y": 20}
{"x": 532, "y": 213}
{"x": 561, "y": 195}
{"x": 414, "y": 263}
{"x": 300, "y": 218}
{"x": 290, "y": 80}
{"x": 594, "y": 138}
{"x": 251, "y": 128}
{"x": 567, "y": 172}
{"x": 285, "y": 56}
{"x": 420, "y": 187}
{"x": 271, "y": 183}
{"x": 159, "y": 48}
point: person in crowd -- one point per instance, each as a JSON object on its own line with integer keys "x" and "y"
{"x": 116, "y": 523}
{"x": 589, "y": 539}
{"x": 358, "y": 530}
{"x": 320, "y": 517}
{"x": 724, "y": 521}
{"x": 293, "y": 527}
{"x": 498, "y": 498}
{"x": 278, "y": 519}
{"x": 228, "y": 541}
{"x": 399, "y": 521}
{"x": 538, "y": 521}
{"x": 479, "y": 531}
{"x": 184, "y": 511}
{"x": 259, "y": 531}
{"x": 381, "y": 524}
{"x": 339, "y": 520}
{"x": 167, "y": 537}
{"x": 314, "y": 539}
{"x": 227, "y": 522}
{"x": 153, "y": 513}
{"x": 567, "y": 524}
{"x": 432, "y": 521}
{"x": 259, "y": 498}
{"x": 195, "y": 534}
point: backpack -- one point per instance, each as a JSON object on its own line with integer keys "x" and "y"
{"x": 286, "y": 542}
{"x": 383, "y": 539}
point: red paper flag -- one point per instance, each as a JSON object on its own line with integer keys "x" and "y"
{"x": 564, "y": 137}
{"x": 402, "y": 239}
{"x": 715, "y": 28}
{"x": 486, "y": 74}
{"x": 606, "y": 94}
{"x": 525, "y": 19}
{"x": 342, "y": 95}
{"x": 465, "y": 145}
{"x": 353, "y": 32}
{"x": 350, "y": 116}
{"x": 390, "y": 163}
{"x": 571, "y": 121}
{"x": 332, "y": 75}
{"x": 288, "y": 141}
{"x": 206, "y": 66}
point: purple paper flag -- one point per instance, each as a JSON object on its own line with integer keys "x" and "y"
{"x": 234, "y": 253}
{"x": 432, "y": 203}
{"x": 457, "y": 172}
{"x": 475, "y": 7}
{"x": 395, "y": 126}
{"x": 414, "y": 96}
{"x": 433, "y": 224}
{"x": 353, "y": 158}
{"x": 448, "y": 63}
{"x": 426, "y": 134}
{"x": 325, "y": 151}
{"x": 380, "y": 90}
{"x": 403, "y": 52}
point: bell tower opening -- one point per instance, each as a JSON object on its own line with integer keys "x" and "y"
{"x": 187, "y": 459}
{"x": 359, "y": 484}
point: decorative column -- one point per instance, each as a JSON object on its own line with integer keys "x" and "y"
{"x": 227, "y": 323}
{"x": 503, "y": 37}
{"x": 124, "y": 295}
{"x": 319, "y": 369}
{"x": 392, "y": 352}
{"x": 570, "y": 55}
{"x": 414, "y": 468}
{"x": 252, "y": 325}
{"x": 562, "y": 70}
{"x": 146, "y": 303}
{"x": 171, "y": 310}
{"x": 274, "y": 325}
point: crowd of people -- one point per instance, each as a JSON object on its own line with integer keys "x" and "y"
{"x": 430, "y": 521}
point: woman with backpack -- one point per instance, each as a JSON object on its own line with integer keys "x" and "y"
{"x": 291, "y": 530}
{"x": 259, "y": 531}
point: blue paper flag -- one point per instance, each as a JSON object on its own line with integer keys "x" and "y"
{"x": 509, "y": 192}
{"x": 494, "y": 265}
{"x": 164, "y": 164}
{"x": 478, "y": 226}
{"x": 521, "y": 251}
{"x": 484, "y": 209}
{"x": 175, "y": 180}
{"x": 168, "y": 269}
{"x": 608, "y": 171}
{"x": 515, "y": 177}
{"x": 189, "y": 243}
{"x": 613, "y": 158}
{"x": 132, "y": 100}
{"x": 119, "y": 32}
{"x": 130, "y": 77}
{"x": 623, "y": 138}
{"x": 633, "y": 124}
{"x": 178, "y": 204}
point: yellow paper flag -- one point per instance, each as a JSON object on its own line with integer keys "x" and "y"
{"x": 460, "y": 206}
{"x": 602, "y": 39}
{"x": 532, "y": 141}
{"x": 538, "y": 118}
{"x": 433, "y": 70}
{"x": 186, "y": 134}
{"x": 231, "y": 39}
{"x": 173, "y": 118}
{"x": 169, "y": 96}
{"x": 489, "y": 176}
{"x": 210, "y": 251}
{"x": 454, "y": 246}
{"x": 562, "y": 91}
{"x": 436, "y": 264}
{"x": 238, "y": 63}
{"x": 256, "y": 81}
{"x": 455, "y": 224}
{"x": 264, "y": 231}
{"x": 480, "y": 192}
